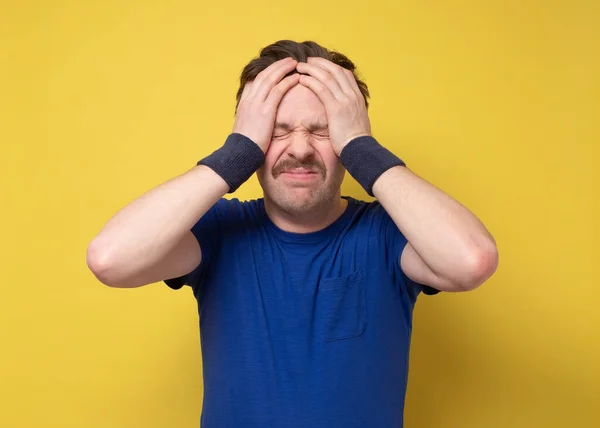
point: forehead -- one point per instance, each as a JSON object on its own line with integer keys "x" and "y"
{"x": 300, "y": 106}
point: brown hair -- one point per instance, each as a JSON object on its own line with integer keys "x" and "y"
{"x": 300, "y": 52}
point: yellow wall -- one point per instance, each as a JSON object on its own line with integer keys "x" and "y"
{"x": 495, "y": 102}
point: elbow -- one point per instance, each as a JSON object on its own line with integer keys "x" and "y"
{"x": 98, "y": 261}
{"x": 479, "y": 266}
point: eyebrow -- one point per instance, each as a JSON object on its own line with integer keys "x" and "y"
{"x": 311, "y": 127}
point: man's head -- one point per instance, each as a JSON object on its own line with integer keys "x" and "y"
{"x": 301, "y": 171}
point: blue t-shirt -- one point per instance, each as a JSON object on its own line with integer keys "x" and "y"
{"x": 302, "y": 330}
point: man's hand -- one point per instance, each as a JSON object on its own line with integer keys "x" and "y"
{"x": 344, "y": 103}
{"x": 257, "y": 109}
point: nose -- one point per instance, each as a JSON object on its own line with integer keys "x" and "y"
{"x": 300, "y": 146}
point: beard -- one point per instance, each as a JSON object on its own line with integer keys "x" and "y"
{"x": 298, "y": 198}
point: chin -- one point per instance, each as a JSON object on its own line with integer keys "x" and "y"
{"x": 296, "y": 205}
{"x": 297, "y": 201}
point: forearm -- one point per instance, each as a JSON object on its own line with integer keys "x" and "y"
{"x": 450, "y": 239}
{"x": 148, "y": 228}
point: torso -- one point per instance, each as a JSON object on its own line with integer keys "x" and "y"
{"x": 305, "y": 330}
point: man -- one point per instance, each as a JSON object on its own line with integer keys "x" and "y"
{"x": 305, "y": 297}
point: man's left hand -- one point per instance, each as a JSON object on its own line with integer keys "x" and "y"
{"x": 345, "y": 105}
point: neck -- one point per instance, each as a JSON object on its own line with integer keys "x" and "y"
{"x": 306, "y": 222}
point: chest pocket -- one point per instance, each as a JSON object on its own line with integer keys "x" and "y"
{"x": 341, "y": 309}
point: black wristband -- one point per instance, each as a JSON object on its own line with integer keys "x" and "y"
{"x": 365, "y": 159}
{"x": 236, "y": 160}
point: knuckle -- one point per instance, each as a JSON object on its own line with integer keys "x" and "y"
{"x": 262, "y": 78}
{"x": 262, "y": 73}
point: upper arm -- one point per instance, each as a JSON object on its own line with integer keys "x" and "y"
{"x": 182, "y": 260}
{"x": 417, "y": 270}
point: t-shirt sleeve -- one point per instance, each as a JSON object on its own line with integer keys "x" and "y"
{"x": 206, "y": 231}
{"x": 396, "y": 242}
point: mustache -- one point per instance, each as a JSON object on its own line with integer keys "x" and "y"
{"x": 310, "y": 164}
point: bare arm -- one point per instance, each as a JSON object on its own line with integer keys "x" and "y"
{"x": 141, "y": 243}
{"x": 150, "y": 240}
{"x": 449, "y": 248}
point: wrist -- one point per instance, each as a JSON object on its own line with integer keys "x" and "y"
{"x": 365, "y": 160}
{"x": 236, "y": 160}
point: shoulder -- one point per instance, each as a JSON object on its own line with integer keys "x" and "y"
{"x": 233, "y": 214}
{"x": 371, "y": 206}
{"x": 372, "y": 220}
{"x": 368, "y": 211}
{"x": 234, "y": 207}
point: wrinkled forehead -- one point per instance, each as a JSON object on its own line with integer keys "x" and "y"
{"x": 301, "y": 107}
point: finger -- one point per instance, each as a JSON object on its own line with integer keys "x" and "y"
{"x": 246, "y": 91}
{"x": 352, "y": 87}
{"x": 271, "y": 76}
{"x": 320, "y": 90}
{"x": 354, "y": 84}
{"x": 280, "y": 90}
{"x": 336, "y": 71}
{"x": 324, "y": 77}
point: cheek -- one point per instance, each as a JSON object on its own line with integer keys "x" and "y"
{"x": 328, "y": 156}
{"x": 271, "y": 157}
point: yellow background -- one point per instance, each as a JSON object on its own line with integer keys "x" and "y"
{"x": 495, "y": 102}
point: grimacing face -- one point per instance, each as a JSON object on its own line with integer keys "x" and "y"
{"x": 301, "y": 171}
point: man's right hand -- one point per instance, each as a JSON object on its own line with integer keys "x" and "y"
{"x": 258, "y": 104}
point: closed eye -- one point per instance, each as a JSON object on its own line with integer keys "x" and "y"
{"x": 316, "y": 134}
